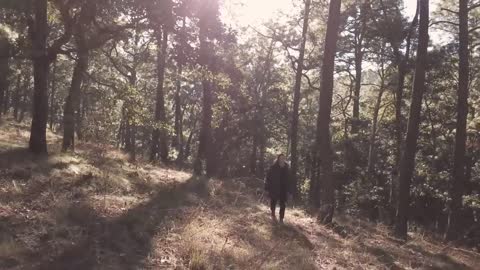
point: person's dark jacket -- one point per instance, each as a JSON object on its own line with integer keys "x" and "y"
{"x": 277, "y": 182}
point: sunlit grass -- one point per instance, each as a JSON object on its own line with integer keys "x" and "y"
{"x": 66, "y": 199}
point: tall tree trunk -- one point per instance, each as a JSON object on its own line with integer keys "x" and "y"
{"x": 458, "y": 176}
{"x": 206, "y": 127}
{"x": 296, "y": 101}
{"x": 53, "y": 91}
{"x": 122, "y": 130}
{"x": 72, "y": 103}
{"x": 398, "y": 129}
{"x": 159, "y": 137}
{"x": 314, "y": 190}
{"x": 372, "y": 156}
{"x": 407, "y": 163}
{"x": 4, "y": 70}
{"x": 259, "y": 129}
{"x": 356, "y": 92}
{"x": 23, "y": 94}
{"x": 188, "y": 144}
{"x": 373, "y": 132}
{"x": 206, "y": 51}
{"x": 261, "y": 159}
{"x": 7, "y": 100}
{"x": 23, "y": 104}
{"x": 359, "y": 53}
{"x": 130, "y": 136}
{"x": 71, "y": 114}
{"x": 402, "y": 63}
{"x": 131, "y": 126}
{"x": 323, "y": 139}
{"x": 179, "y": 140}
{"x": 17, "y": 96}
{"x": 211, "y": 151}
{"x": 80, "y": 115}
{"x": 253, "y": 155}
{"x": 133, "y": 141}
{"x": 38, "y": 136}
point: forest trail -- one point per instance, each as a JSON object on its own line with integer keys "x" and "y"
{"x": 95, "y": 210}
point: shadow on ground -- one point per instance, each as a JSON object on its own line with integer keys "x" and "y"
{"x": 124, "y": 242}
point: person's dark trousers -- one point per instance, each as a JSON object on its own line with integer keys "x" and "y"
{"x": 273, "y": 206}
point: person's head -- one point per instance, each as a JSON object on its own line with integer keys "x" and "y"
{"x": 281, "y": 159}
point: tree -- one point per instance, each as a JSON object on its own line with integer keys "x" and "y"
{"x": 42, "y": 55}
{"x": 379, "y": 190}
{"x": 159, "y": 138}
{"x": 355, "y": 45}
{"x": 359, "y": 29}
{"x": 162, "y": 29}
{"x": 460, "y": 159}
{"x": 388, "y": 26}
{"x": 72, "y": 103}
{"x": 128, "y": 56}
{"x": 5, "y": 48}
{"x": 259, "y": 86}
{"x": 323, "y": 139}
{"x": 39, "y": 32}
{"x": 181, "y": 59}
{"x": 296, "y": 100}
{"x": 407, "y": 164}
{"x": 88, "y": 36}
{"x": 208, "y": 24}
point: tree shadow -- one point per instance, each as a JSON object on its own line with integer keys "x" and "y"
{"x": 283, "y": 244}
{"x": 382, "y": 256}
{"x": 273, "y": 245}
{"x": 18, "y": 166}
{"x": 19, "y": 156}
{"x": 427, "y": 260}
{"x": 126, "y": 241}
{"x": 439, "y": 261}
{"x": 348, "y": 227}
{"x": 289, "y": 232}
{"x": 19, "y": 163}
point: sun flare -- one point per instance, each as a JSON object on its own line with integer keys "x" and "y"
{"x": 250, "y": 12}
{"x": 254, "y": 12}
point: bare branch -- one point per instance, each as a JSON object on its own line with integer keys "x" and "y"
{"x": 96, "y": 80}
{"x": 115, "y": 64}
{"x": 474, "y": 6}
{"x": 444, "y": 22}
{"x": 474, "y": 46}
{"x": 449, "y": 10}
{"x": 310, "y": 82}
{"x": 260, "y": 33}
{"x": 68, "y": 29}
{"x": 473, "y": 29}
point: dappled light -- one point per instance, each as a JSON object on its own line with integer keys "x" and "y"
{"x": 239, "y": 134}
{"x": 175, "y": 220}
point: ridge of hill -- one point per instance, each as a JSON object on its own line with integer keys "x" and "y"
{"x": 95, "y": 210}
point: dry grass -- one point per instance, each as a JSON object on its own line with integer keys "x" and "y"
{"x": 95, "y": 210}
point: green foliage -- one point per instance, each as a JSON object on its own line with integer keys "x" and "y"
{"x": 6, "y": 34}
{"x": 472, "y": 201}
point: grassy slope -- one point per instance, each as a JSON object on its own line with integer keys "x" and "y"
{"x": 95, "y": 210}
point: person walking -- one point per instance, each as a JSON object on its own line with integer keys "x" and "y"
{"x": 277, "y": 184}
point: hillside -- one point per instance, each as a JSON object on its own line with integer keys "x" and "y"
{"x": 95, "y": 210}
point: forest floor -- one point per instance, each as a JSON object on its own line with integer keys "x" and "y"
{"x": 95, "y": 210}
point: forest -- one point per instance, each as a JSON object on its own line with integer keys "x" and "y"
{"x": 376, "y": 110}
